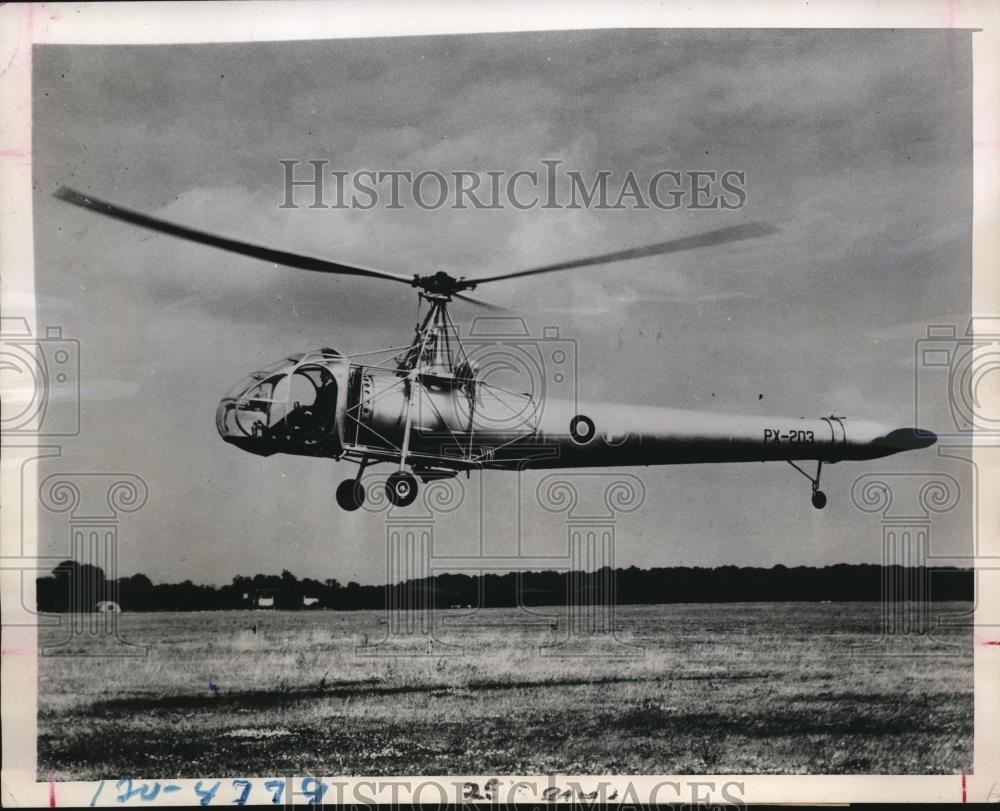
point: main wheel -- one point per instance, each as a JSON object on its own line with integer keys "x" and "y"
{"x": 819, "y": 499}
{"x": 350, "y": 494}
{"x": 401, "y": 488}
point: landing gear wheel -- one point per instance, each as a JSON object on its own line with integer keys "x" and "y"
{"x": 401, "y": 488}
{"x": 350, "y": 494}
{"x": 819, "y": 499}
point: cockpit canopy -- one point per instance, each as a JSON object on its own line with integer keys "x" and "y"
{"x": 289, "y": 406}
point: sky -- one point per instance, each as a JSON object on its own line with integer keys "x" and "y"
{"x": 855, "y": 145}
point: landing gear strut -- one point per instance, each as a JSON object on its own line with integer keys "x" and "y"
{"x": 401, "y": 486}
{"x": 818, "y": 496}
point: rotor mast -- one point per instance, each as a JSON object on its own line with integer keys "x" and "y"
{"x": 436, "y": 349}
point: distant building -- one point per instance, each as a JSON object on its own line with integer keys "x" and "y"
{"x": 308, "y": 601}
{"x": 107, "y": 607}
{"x": 265, "y": 602}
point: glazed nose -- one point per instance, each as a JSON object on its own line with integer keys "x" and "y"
{"x": 907, "y": 439}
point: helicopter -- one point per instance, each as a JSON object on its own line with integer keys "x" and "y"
{"x": 427, "y": 409}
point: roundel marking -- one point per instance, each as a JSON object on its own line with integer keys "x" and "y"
{"x": 582, "y": 429}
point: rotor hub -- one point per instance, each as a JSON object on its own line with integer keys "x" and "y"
{"x": 441, "y": 284}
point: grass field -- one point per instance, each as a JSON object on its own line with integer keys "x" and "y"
{"x": 732, "y": 688}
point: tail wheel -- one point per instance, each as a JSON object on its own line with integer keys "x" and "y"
{"x": 350, "y": 494}
{"x": 401, "y": 488}
{"x": 818, "y": 496}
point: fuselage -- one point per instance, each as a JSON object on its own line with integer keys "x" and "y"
{"x": 319, "y": 404}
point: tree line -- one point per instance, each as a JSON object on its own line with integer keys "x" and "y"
{"x": 81, "y": 587}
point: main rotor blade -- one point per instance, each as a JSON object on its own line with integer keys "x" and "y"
{"x": 480, "y": 303}
{"x": 716, "y": 237}
{"x": 294, "y": 260}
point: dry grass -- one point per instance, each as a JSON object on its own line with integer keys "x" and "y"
{"x": 761, "y": 688}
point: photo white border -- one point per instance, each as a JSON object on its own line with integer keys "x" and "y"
{"x": 147, "y": 23}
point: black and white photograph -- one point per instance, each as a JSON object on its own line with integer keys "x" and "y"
{"x": 507, "y": 409}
